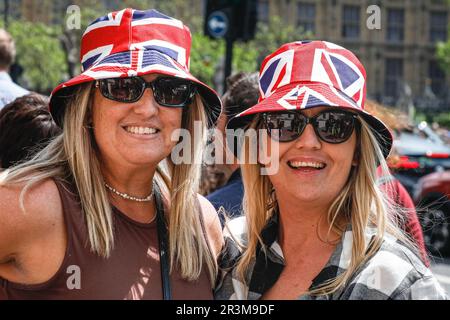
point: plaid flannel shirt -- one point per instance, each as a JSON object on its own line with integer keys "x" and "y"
{"x": 393, "y": 273}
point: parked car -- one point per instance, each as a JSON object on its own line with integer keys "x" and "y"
{"x": 432, "y": 197}
{"x": 420, "y": 151}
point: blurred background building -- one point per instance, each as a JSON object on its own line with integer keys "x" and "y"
{"x": 400, "y": 57}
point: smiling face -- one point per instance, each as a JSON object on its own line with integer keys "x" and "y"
{"x": 134, "y": 134}
{"x": 312, "y": 171}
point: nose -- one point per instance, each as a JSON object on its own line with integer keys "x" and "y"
{"x": 146, "y": 106}
{"x": 308, "y": 139}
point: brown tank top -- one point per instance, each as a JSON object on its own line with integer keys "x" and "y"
{"x": 131, "y": 272}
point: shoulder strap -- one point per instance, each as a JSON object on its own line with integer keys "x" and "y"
{"x": 163, "y": 244}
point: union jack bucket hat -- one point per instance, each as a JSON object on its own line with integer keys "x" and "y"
{"x": 307, "y": 74}
{"x": 130, "y": 43}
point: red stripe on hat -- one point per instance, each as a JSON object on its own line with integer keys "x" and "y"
{"x": 280, "y": 77}
{"x": 134, "y": 60}
{"x": 356, "y": 96}
{"x": 299, "y": 101}
{"x": 79, "y": 79}
{"x": 171, "y": 34}
{"x": 118, "y": 36}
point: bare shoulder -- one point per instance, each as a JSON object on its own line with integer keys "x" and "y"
{"x": 39, "y": 198}
{"x": 41, "y": 205}
{"x": 212, "y": 225}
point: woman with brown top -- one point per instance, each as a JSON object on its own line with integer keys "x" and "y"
{"x": 102, "y": 212}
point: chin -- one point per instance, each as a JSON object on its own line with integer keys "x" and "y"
{"x": 144, "y": 160}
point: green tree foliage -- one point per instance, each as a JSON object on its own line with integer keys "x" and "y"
{"x": 207, "y": 53}
{"x": 443, "y": 54}
{"x": 271, "y": 36}
{"x": 39, "y": 54}
{"x": 50, "y": 54}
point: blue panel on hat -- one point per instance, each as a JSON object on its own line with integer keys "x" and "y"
{"x": 346, "y": 74}
{"x": 138, "y": 15}
{"x": 266, "y": 79}
{"x": 122, "y": 58}
{"x": 152, "y": 57}
{"x": 104, "y": 18}
{"x": 314, "y": 101}
{"x": 171, "y": 53}
{"x": 87, "y": 64}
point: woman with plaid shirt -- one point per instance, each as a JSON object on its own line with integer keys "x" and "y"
{"x": 318, "y": 227}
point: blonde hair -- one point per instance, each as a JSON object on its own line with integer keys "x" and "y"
{"x": 361, "y": 203}
{"x": 72, "y": 157}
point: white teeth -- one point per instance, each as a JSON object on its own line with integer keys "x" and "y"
{"x": 298, "y": 164}
{"x": 141, "y": 130}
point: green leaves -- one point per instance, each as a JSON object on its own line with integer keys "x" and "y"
{"x": 206, "y": 54}
{"x": 443, "y": 54}
{"x": 50, "y": 54}
{"x": 39, "y": 53}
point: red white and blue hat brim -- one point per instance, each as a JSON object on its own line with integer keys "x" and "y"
{"x": 306, "y": 95}
{"x": 123, "y": 64}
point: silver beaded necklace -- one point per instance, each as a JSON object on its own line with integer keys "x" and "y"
{"x": 128, "y": 197}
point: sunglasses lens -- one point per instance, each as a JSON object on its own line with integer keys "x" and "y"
{"x": 284, "y": 127}
{"x": 122, "y": 89}
{"x": 334, "y": 126}
{"x": 330, "y": 126}
{"x": 172, "y": 92}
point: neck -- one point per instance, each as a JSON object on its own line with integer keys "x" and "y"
{"x": 136, "y": 182}
{"x": 303, "y": 230}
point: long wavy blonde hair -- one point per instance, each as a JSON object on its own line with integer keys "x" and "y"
{"x": 360, "y": 203}
{"x": 73, "y": 157}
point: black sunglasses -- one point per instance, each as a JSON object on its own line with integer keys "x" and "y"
{"x": 332, "y": 126}
{"x": 168, "y": 91}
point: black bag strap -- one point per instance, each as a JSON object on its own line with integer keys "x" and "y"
{"x": 163, "y": 244}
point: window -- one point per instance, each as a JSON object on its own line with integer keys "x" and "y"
{"x": 306, "y": 13}
{"x": 437, "y": 78}
{"x": 393, "y": 77}
{"x": 438, "y": 26}
{"x": 396, "y": 23}
{"x": 14, "y": 8}
{"x": 263, "y": 11}
{"x": 351, "y": 22}
{"x": 59, "y": 11}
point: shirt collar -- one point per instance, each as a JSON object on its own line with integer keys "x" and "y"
{"x": 269, "y": 261}
{"x": 236, "y": 175}
{"x": 5, "y": 76}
